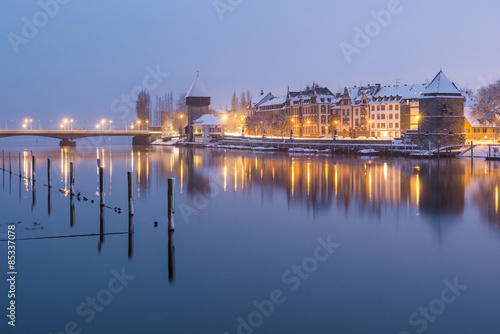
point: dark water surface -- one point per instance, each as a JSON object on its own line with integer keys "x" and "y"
{"x": 264, "y": 243}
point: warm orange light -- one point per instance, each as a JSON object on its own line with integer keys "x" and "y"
{"x": 181, "y": 116}
{"x": 224, "y": 117}
{"x": 25, "y": 120}
{"x": 139, "y": 122}
{"x": 147, "y": 121}
{"x": 24, "y": 125}
{"x": 293, "y": 120}
{"x": 103, "y": 121}
{"x": 62, "y": 126}
{"x": 336, "y": 122}
{"x": 65, "y": 121}
{"x": 418, "y": 117}
{"x": 308, "y": 122}
{"x": 97, "y": 126}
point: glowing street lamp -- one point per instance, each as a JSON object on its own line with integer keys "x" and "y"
{"x": 147, "y": 125}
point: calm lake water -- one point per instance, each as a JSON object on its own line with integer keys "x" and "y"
{"x": 264, "y": 243}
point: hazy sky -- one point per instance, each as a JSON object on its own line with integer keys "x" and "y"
{"x": 83, "y": 58}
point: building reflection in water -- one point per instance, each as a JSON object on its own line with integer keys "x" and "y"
{"x": 435, "y": 188}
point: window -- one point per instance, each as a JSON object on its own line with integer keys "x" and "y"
{"x": 383, "y": 107}
{"x": 373, "y": 125}
{"x": 378, "y": 116}
{"x": 390, "y": 107}
{"x": 382, "y": 116}
{"x": 485, "y": 130}
{"x": 396, "y": 116}
{"x": 390, "y": 125}
{"x": 378, "y": 125}
{"x": 382, "y": 125}
{"x": 323, "y": 119}
{"x": 396, "y": 125}
{"x": 467, "y": 130}
{"x": 373, "y": 108}
{"x": 373, "y": 116}
{"x": 329, "y": 100}
{"x": 323, "y": 109}
{"x": 390, "y": 116}
{"x": 356, "y": 111}
{"x": 322, "y": 99}
{"x": 378, "y": 108}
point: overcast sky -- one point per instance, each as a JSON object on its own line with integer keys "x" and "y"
{"x": 84, "y": 58}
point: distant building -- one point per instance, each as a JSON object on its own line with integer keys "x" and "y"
{"x": 373, "y": 111}
{"x": 208, "y": 127}
{"x": 198, "y": 101}
{"x": 377, "y": 111}
{"x": 309, "y": 110}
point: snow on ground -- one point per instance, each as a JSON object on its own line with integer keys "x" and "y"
{"x": 480, "y": 151}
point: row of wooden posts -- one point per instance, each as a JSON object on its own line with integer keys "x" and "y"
{"x": 171, "y": 184}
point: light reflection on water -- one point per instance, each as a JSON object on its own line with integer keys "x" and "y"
{"x": 404, "y": 225}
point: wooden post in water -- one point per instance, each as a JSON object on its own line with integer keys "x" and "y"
{"x": 20, "y": 170}
{"x": 98, "y": 163}
{"x": 130, "y": 196}
{"x": 489, "y": 150}
{"x": 471, "y": 149}
{"x": 101, "y": 185}
{"x": 49, "y": 179}
{"x": 72, "y": 178}
{"x": 33, "y": 169}
{"x": 171, "y": 203}
{"x": 3, "y": 160}
{"x": 10, "y": 165}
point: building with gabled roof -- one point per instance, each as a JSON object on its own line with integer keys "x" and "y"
{"x": 208, "y": 127}
{"x": 197, "y": 101}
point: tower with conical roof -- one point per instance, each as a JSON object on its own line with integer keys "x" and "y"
{"x": 197, "y": 101}
{"x": 442, "y": 112}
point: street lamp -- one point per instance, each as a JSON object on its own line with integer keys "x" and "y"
{"x": 139, "y": 124}
{"x": 102, "y": 124}
{"x": 110, "y": 121}
{"x": 147, "y": 125}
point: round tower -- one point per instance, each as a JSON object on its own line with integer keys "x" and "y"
{"x": 197, "y": 101}
{"x": 442, "y": 112}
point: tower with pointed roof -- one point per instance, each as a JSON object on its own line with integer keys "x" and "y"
{"x": 197, "y": 101}
{"x": 442, "y": 112}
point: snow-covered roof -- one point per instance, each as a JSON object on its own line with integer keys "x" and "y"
{"x": 274, "y": 101}
{"x": 472, "y": 120}
{"x": 209, "y": 120}
{"x": 261, "y": 99}
{"x": 198, "y": 89}
{"x": 442, "y": 86}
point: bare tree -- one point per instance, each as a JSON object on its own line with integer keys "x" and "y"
{"x": 181, "y": 103}
{"x": 243, "y": 101}
{"x": 279, "y": 123}
{"x": 143, "y": 106}
{"x": 234, "y": 102}
{"x": 487, "y": 108}
{"x": 249, "y": 98}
